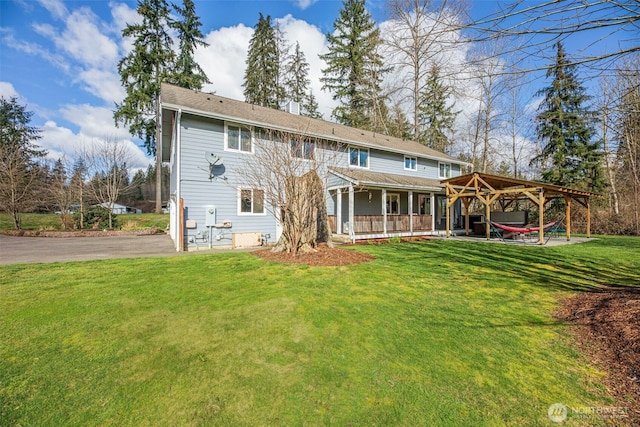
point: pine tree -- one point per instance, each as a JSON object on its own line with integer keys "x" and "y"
{"x": 296, "y": 83}
{"x": 354, "y": 67}
{"x": 296, "y": 76}
{"x": 436, "y": 117}
{"x": 19, "y": 172}
{"x": 261, "y": 79}
{"x": 187, "y": 72}
{"x": 142, "y": 72}
{"x": 310, "y": 106}
{"x": 566, "y": 128}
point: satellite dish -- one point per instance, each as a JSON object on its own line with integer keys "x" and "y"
{"x": 212, "y": 158}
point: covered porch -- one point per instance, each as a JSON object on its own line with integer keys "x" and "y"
{"x": 372, "y": 205}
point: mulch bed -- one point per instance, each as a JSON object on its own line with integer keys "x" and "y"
{"x": 323, "y": 257}
{"x": 607, "y": 330}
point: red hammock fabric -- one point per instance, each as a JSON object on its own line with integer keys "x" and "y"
{"x": 521, "y": 229}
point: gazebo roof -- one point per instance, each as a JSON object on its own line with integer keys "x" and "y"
{"x": 486, "y": 182}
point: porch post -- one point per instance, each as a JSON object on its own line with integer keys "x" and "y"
{"x": 411, "y": 212}
{"x": 352, "y": 232}
{"x": 339, "y": 211}
{"x": 448, "y": 215}
{"x": 384, "y": 210}
{"x": 432, "y": 206}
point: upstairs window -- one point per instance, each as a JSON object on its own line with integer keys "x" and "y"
{"x": 359, "y": 157}
{"x": 445, "y": 170}
{"x": 303, "y": 149}
{"x": 238, "y": 139}
{"x": 410, "y": 163}
{"x": 251, "y": 201}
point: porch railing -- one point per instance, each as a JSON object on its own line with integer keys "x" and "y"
{"x": 368, "y": 224}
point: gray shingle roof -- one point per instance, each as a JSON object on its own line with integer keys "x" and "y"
{"x": 173, "y": 97}
{"x": 377, "y": 179}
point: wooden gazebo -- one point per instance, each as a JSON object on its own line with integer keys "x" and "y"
{"x": 490, "y": 188}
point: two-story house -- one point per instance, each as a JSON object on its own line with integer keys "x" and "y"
{"x": 377, "y": 186}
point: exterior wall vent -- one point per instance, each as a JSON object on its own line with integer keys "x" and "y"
{"x": 292, "y": 107}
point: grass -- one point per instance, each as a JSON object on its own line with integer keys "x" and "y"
{"x": 431, "y": 333}
{"x": 53, "y": 221}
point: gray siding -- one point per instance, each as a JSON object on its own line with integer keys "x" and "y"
{"x": 198, "y": 191}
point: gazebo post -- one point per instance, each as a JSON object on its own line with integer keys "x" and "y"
{"x": 541, "y": 218}
{"x": 567, "y": 215}
{"x": 587, "y": 200}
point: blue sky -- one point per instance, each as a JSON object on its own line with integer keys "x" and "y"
{"x": 59, "y": 57}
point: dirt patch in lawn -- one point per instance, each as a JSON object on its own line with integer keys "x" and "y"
{"x": 324, "y": 256}
{"x": 608, "y": 332}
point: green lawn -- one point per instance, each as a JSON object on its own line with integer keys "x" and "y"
{"x": 53, "y": 221}
{"x": 432, "y": 333}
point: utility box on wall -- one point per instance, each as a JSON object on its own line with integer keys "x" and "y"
{"x": 209, "y": 216}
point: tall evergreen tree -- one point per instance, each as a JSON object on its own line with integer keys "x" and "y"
{"x": 142, "y": 72}
{"x": 19, "y": 172}
{"x": 355, "y": 69}
{"x": 436, "y": 116}
{"x": 566, "y": 128}
{"x": 296, "y": 83}
{"x": 187, "y": 72}
{"x": 261, "y": 79}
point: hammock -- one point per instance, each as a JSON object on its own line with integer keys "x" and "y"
{"x": 525, "y": 230}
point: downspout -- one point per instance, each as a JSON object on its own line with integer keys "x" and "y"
{"x": 179, "y": 211}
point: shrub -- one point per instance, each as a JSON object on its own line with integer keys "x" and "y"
{"x": 95, "y": 217}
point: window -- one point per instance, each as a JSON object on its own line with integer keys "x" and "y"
{"x": 445, "y": 170}
{"x": 303, "y": 149}
{"x": 424, "y": 204}
{"x": 393, "y": 203}
{"x": 238, "y": 139}
{"x": 251, "y": 201}
{"x": 359, "y": 157}
{"x": 410, "y": 163}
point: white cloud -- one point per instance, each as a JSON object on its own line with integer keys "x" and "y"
{"x": 303, "y": 4}
{"x": 85, "y": 42}
{"x": 103, "y": 84}
{"x": 93, "y": 122}
{"x": 224, "y": 60}
{"x": 56, "y": 8}
{"x": 61, "y": 142}
{"x": 7, "y": 90}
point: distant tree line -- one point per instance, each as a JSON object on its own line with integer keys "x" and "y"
{"x": 99, "y": 176}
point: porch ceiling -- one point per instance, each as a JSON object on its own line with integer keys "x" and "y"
{"x": 365, "y": 178}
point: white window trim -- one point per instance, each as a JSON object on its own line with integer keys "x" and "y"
{"x": 409, "y": 168}
{"x": 446, "y": 164}
{"x": 264, "y": 207}
{"x": 359, "y": 150}
{"x": 226, "y": 138}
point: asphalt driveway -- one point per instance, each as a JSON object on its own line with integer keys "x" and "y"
{"x": 15, "y": 249}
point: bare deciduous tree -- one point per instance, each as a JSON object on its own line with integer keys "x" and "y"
{"x": 289, "y": 173}
{"x": 419, "y": 34}
{"x": 107, "y": 160}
